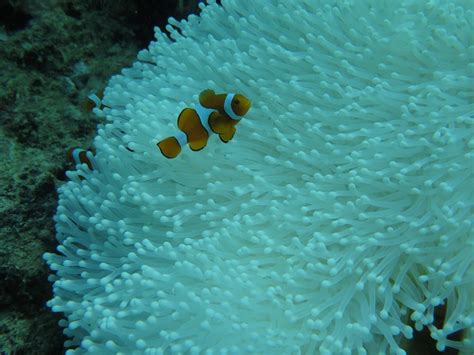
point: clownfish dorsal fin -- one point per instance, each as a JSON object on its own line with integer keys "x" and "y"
{"x": 206, "y": 97}
{"x": 209, "y": 99}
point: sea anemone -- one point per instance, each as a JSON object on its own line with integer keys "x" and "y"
{"x": 337, "y": 219}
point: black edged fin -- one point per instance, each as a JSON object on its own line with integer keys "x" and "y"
{"x": 198, "y": 145}
{"x": 226, "y": 137}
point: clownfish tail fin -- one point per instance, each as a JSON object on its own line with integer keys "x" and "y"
{"x": 170, "y": 147}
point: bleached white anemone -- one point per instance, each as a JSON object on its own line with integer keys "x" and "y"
{"x": 341, "y": 210}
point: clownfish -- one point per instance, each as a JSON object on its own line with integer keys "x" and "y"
{"x": 215, "y": 113}
{"x": 80, "y": 156}
{"x": 94, "y": 100}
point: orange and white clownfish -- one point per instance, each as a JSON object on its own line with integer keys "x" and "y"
{"x": 94, "y": 100}
{"x": 81, "y": 156}
{"x": 215, "y": 113}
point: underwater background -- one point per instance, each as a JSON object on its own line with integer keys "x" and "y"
{"x": 52, "y": 55}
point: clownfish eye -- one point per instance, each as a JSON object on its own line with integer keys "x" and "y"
{"x": 237, "y": 102}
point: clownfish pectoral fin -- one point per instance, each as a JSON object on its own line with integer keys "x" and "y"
{"x": 219, "y": 123}
{"x": 169, "y": 147}
{"x": 227, "y": 136}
